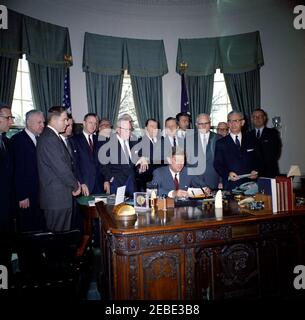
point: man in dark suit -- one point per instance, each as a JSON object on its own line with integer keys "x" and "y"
{"x": 6, "y": 187}
{"x": 200, "y": 150}
{"x": 56, "y": 179}
{"x": 268, "y": 144}
{"x": 88, "y": 168}
{"x": 119, "y": 160}
{"x": 150, "y": 146}
{"x": 173, "y": 180}
{"x": 235, "y": 154}
{"x": 26, "y": 181}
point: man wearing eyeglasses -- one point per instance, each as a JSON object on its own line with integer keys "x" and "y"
{"x": 6, "y": 186}
{"x": 119, "y": 159}
{"x": 235, "y": 154}
{"x": 202, "y": 155}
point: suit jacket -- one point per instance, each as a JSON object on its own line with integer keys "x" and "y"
{"x": 228, "y": 157}
{"x": 163, "y": 177}
{"x": 56, "y": 178}
{"x": 87, "y": 166}
{"x": 114, "y": 165}
{"x": 269, "y": 148}
{"x": 203, "y": 162}
{"x": 26, "y": 172}
{"x": 6, "y": 187}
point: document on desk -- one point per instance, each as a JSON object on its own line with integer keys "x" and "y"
{"x": 120, "y": 195}
{"x": 193, "y": 192}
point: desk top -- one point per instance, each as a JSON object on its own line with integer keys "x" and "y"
{"x": 188, "y": 217}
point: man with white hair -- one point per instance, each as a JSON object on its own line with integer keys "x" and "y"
{"x": 204, "y": 152}
{"x": 26, "y": 181}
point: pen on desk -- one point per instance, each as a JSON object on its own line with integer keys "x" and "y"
{"x": 193, "y": 193}
{"x": 203, "y": 191}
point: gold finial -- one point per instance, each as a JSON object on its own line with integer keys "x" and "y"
{"x": 183, "y": 66}
{"x": 67, "y": 58}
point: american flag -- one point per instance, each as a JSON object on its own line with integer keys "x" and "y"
{"x": 67, "y": 94}
{"x": 184, "y": 97}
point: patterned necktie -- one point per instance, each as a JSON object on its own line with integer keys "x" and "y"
{"x": 176, "y": 182}
{"x": 90, "y": 143}
{"x": 237, "y": 142}
{"x": 174, "y": 141}
{"x": 258, "y": 134}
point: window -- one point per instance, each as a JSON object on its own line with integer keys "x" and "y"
{"x": 22, "y": 100}
{"x": 127, "y": 103}
{"x": 221, "y": 104}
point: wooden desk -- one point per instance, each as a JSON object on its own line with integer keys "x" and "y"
{"x": 186, "y": 253}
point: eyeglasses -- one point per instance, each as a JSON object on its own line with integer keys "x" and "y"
{"x": 125, "y": 129}
{"x": 203, "y": 123}
{"x": 8, "y": 117}
{"x": 235, "y": 120}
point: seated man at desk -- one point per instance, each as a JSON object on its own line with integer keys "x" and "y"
{"x": 173, "y": 180}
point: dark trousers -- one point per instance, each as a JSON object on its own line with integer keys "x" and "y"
{"x": 58, "y": 220}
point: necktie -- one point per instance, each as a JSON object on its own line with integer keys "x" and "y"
{"x": 258, "y": 134}
{"x": 174, "y": 141}
{"x": 68, "y": 145}
{"x": 126, "y": 151}
{"x": 176, "y": 182}
{"x": 237, "y": 142}
{"x": 90, "y": 143}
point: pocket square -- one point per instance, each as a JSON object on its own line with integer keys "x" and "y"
{"x": 249, "y": 150}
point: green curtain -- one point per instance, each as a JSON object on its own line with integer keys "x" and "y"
{"x": 10, "y": 52}
{"x": 200, "y": 93}
{"x": 147, "y": 93}
{"x": 47, "y": 86}
{"x": 8, "y": 72}
{"x": 104, "y": 60}
{"x": 103, "y": 94}
{"x": 244, "y": 91}
{"x": 48, "y": 51}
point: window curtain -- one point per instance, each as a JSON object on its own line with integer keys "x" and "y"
{"x": 197, "y": 59}
{"x": 48, "y": 51}
{"x": 239, "y": 57}
{"x": 200, "y": 93}
{"x": 104, "y": 61}
{"x": 146, "y": 65}
{"x": 10, "y": 53}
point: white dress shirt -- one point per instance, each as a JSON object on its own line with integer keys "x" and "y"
{"x": 31, "y": 135}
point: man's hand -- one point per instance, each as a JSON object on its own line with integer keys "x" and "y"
{"x": 77, "y": 191}
{"x": 180, "y": 194}
{"x": 253, "y": 174}
{"x": 107, "y": 187}
{"x": 24, "y": 204}
{"x": 85, "y": 190}
{"x": 143, "y": 164}
{"x": 233, "y": 176}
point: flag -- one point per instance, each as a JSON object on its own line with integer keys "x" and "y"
{"x": 67, "y": 94}
{"x": 184, "y": 97}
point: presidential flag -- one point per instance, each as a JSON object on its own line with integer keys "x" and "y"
{"x": 67, "y": 94}
{"x": 184, "y": 97}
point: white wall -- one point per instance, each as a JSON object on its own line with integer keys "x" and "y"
{"x": 282, "y": 76}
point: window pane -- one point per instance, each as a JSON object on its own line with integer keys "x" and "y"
{"x": 219, "y": 93}
{"x": 19, "y": 65}
{"x": 26, "y": 106}
{"x": 218, "y": 76}
{"x": 17, "y": 91}
{"x": 127, "y": 103}
{"x": 25, "y": 65}
{"x": 16, "y": 111}
{"x": 26, "y": 87}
